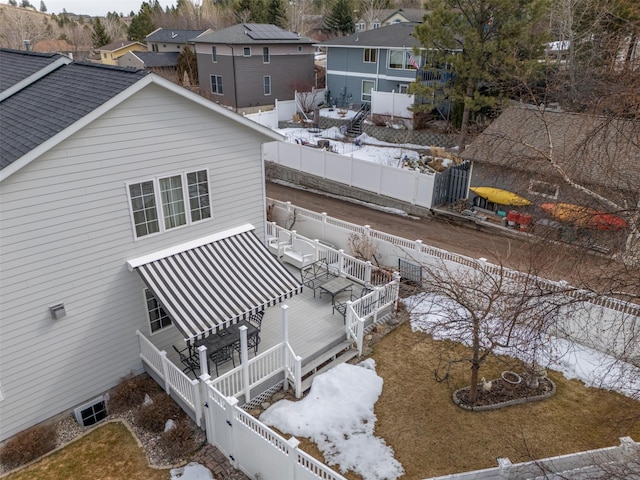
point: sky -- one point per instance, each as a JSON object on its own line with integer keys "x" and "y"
{"x": 338, "y": 412}
{"x": 93, "y": 7}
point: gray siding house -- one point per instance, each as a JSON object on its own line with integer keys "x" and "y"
{"x": 253, "y": 65}
{"x": 170, "y": 41}
{"x": 381, "y": 59}
{"x": 100, "y": 165}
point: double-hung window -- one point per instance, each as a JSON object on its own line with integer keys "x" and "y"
{"x": 265, "y": 55}
{"x": 267, "y": 85}
{"x": 246, "y": 51}
{"x": 370, "y": 55}
{"x": 214, "y": 54}
{"x": 168, "y": 202}
{"x": 216, "y": 84}
{"x": 158, "y": 318}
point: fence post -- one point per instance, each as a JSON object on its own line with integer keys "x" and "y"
{"x": 204, "y": 360}
{"x": 418, "y": 245}
{"x": 285, "y": 345}
{"x": 165, "y": 371}
{"x": 208, "y": 426}
{"x": 244, "y": 360}
{"x": 293, "y": 443}
{"x": 197, "y": 403}
{"x": 230, "y": 411}
{"x": 367, "y": 273}
{"x": 340, "y": 262}
{"x": 324, "y": 224}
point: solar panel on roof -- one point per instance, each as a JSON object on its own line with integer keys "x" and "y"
{"x": 258, "y": 31}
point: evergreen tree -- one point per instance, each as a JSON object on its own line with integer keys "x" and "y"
{"x": 142, "y": 24}
{"x": 277, "y": 13}
{"x": 13, "y": 3}
{"x": 25, "y": 4}
{"x": 487, "y": 43}
{"x": 340, "y": 19}
{"x": 99, "y": 35}
{"x": 250, "y": 11}
{"x": 43, "y": 7}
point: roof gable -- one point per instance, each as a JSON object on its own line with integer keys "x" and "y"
{"x": 173, "y": 36}
{"x": 115, "y": 46}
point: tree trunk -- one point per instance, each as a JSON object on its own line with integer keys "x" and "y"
{"x": 466, "y": 114}
{"x": 475, "y": 364}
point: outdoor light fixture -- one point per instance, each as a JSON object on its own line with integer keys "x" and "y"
{"x": 57, "y": 311}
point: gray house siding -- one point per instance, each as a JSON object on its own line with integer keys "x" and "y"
{"x": 67, "y": 234}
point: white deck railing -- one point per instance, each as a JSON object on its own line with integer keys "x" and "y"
{"x": 174, "y": 379}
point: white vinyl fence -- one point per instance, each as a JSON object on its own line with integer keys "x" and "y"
{"x": 406, "y": 185}
{"x": 391, "y": 103}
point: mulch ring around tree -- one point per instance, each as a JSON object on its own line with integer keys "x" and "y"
{"x": 498, "y": 396}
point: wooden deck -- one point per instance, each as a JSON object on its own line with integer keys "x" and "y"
{"x": 313, "y": 328}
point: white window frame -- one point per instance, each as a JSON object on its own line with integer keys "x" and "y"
{"x": 266, "y": 85}
{"x": 221, "y": 92}
{"x": 376, "y": 25}
{"x": 246, "y": 51}
{"x": 214, "y": 54}
{"x": 162, "y": 328}
{"x": 373, "y": 52}
{"x": 360, "y": 26}
{"x": 362, "y": 94}
{"x": 189, "y": 207}
{"x": 403, "y": 88}
{"x": 531, "y": 189}
{"x": 266, "y": 55}
{"x": 395, "y": 52}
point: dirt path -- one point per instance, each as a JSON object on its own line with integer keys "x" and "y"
{"x": 435, "y": 231}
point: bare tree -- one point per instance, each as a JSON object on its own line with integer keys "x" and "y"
{"x": 19, "y": 25}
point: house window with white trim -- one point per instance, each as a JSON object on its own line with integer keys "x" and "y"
{"x": 216, "y": 84}
{"x": 168, "y": 198}
{"x": 246, "y": 51}
{"x": 265, "y": 55}
{"x": 376, "y": 25}
{"x": 158, "y": 318}
{"x": 267, "y": 85}
{"x": 403, "y": 88}
{"x": 360, "y": 26}
{"x": 370, "y": 55}
{"x": 367, "y": 88}
{"x": 214, "y": 54}
{"x": 396, "y": 59}
{"x": 544, "y": 189}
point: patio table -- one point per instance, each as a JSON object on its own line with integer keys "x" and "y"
{"x": 335, "y": 286}
{"x": 227, "y": 337}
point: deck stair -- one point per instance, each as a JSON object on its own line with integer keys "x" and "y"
{"x": 341, "y": 353}
{"x": 355, "y": 125}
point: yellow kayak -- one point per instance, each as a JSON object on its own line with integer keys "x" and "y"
{"x": 502, "y": 197}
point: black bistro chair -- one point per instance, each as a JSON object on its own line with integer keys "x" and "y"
{"x": 221, "y": 356}
{"x": 191, "y": 362}
{"x": 253, "y": 341}
{"x": 340, "y": 304}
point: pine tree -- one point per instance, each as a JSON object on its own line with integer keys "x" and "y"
{"x": 43, "y": 7}
{"x": 142, "y": 24}
{"x": 277, "y": 13}
{"x": 13, "y": 3}
{"x": 99, "y": 35}
{"x": 340, "y": 19}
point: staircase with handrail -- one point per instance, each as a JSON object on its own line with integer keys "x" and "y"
{"x": 355, "y": 125}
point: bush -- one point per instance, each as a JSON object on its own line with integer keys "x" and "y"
{"x": 130, "y": 392}
{"x": 28, "y": 445}
{"x": 153, "y": 417}
{"x": 179, "y": 442}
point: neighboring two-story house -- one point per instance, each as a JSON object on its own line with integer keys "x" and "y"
{"x": 253, "y": 65}
{"x": 110, "y": 53}
{"x": 380, "y": 60}
{"x": 100, "y": 165}
{"x": 388, "y": 16}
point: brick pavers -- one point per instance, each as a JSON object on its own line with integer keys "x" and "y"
{"x": 214, "y": 460}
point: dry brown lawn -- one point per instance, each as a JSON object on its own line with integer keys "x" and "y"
{"x": 431, "y": 436}
{"x": 108, "y": 452}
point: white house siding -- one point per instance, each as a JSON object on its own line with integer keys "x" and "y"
{"x": 67, "y": 233}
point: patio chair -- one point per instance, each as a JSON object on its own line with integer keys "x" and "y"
{"x": 341, "y": 304}
{"x": 255, "y": 319}
{"x": 222, "y": 356}
{"x": 191, "y": 362}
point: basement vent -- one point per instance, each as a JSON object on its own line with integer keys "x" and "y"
{"x": 92, "y": 412}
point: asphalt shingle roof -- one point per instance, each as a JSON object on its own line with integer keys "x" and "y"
{"x": 173, "y": 36}
{"x": 398, "y": 35}
{"x": 47, "y": 106}
{"x": 158, "y": 59}
{"x": 15, "y": 66}
{"x": 237, "y": 35}
{"x": 592, "y": 149}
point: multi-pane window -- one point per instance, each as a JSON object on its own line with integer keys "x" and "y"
{"x": 172, "y": 202}
{"x": 246, "y": 51}
{"x": 198, "y": 195}
{"x": 267, "y": 85}
{"x": 214, "y": 54}
{"x": 370, "y": 55}
{"x": 396, "y": 59}
{"x": 143, "y": 205}
{"x": 360, "y": 27}
{"x": 265, "y": 55}
{"x": 158, "y": 318}
{"x": 178, "y": 199}
{"x": 376, "y": 24}
{"x": 367, "y": 88}
{"x": 216, "y": 84}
